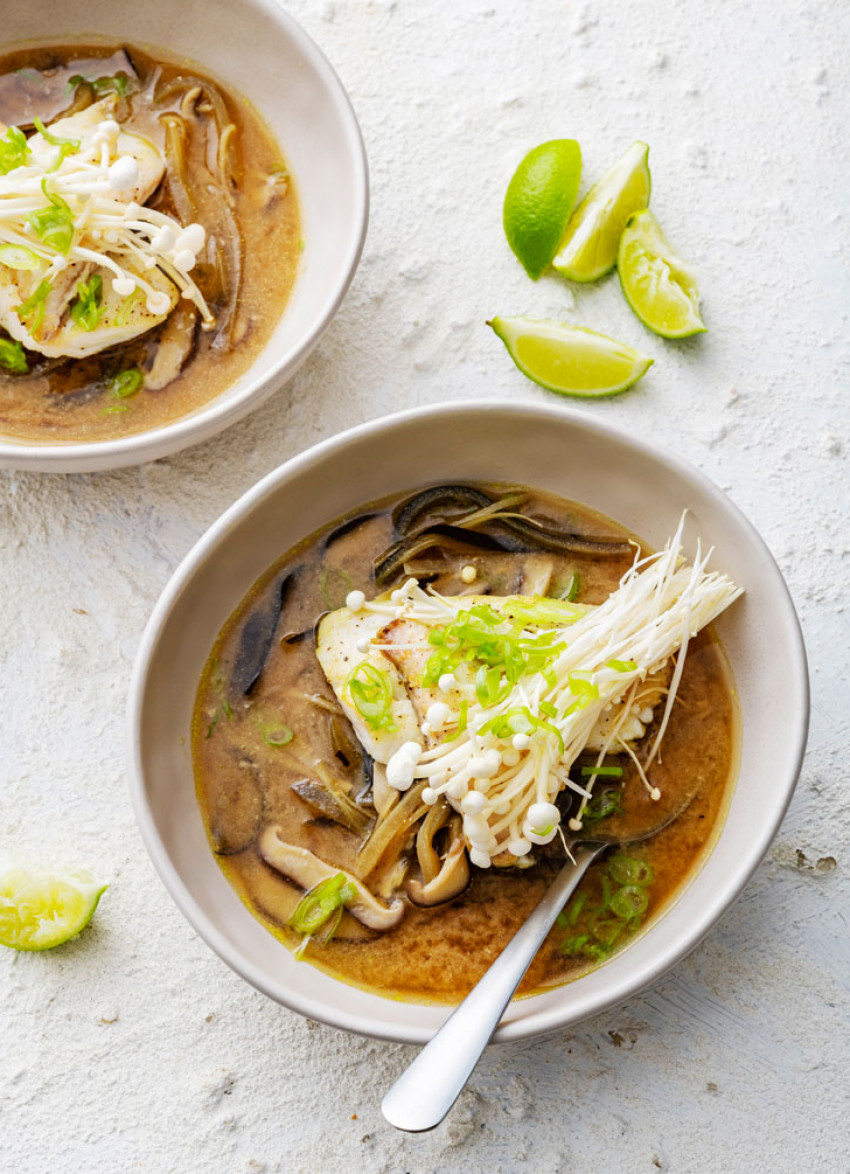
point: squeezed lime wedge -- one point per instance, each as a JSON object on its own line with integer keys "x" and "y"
{"x": 40, "y": 910}
{"x": 658, "y": 285}
{"x": 588, "y": 248}
{"x": 570, "y": 359}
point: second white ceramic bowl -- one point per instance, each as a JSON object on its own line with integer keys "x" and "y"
{"x": 567, "y": 453}
{"x": 254, "y": 47}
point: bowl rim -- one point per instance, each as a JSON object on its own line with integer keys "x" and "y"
{"x": 215, "y": 416}
{"x": 580, "y": 1007}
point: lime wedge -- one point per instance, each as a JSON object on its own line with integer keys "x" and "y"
{"x": 40, "y": 910}
{"x": 570, "y": 359}
{"x": 658, "y": 285}
{"x": 589, "y": 246}
{"x": 539, "y": 202}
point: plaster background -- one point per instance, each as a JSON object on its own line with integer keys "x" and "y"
{"x": 135, "y": 1047}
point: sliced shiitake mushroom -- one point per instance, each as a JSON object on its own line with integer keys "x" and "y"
{"x": 306, "y": 870}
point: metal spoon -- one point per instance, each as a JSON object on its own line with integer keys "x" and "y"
{"x": 427, "y": 1089}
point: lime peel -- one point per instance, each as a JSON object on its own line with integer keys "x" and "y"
{"x": 657, "y": 284}
{"x": 571, "y": 360}
{"x": 588, "y": 249}
{"x": 539, "y": 202}
{"x": 40, "y": 910}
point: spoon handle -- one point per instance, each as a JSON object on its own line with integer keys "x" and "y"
{"x": 425, "y": 1091}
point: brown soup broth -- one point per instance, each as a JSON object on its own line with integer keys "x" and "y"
{"x": 68, "y": 400}
{"x": 436, "y": 954}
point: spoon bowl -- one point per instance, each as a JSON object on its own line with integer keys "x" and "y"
{"x": 427, "y": 1089}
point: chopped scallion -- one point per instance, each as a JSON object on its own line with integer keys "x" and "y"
{"x": 321, "y": 902}
{"x": 280, "y": 736}
{"x": 20, "y": 257}
{"x": 87, "y": 309}
{"x": 14, "y": 151}
{"x": 12, "y": 357}
{"x": 622, "y": 666}
{"x": 126, "y": 383}
{"x": 371, "y": 693}
{"x": 31, "y": 310}
{"x": 626, "y": 870}
{"x": 629, "y": 901}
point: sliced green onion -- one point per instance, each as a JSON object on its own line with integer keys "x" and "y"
{"x": 113, "y": 408}
{"x": 542, "y": 611}
{"x": 597, "y": 951}
{"x": 481, "y": 636}
{"x": 321, "y": 902}
{"x": 280, "y": 736}
{"x": 371, "y": 693}
{"x": 574, "y": 911}
{"x": 612, "y": 772}
{"x": 490, "y": 686}
{"x": 66, "y": 146}
{"x": 126, "y": 383}
{"x": 14, "y": 151}
{"x": 123, "y": 314}
{"x": 629, "y": 901}
{"x": 228, "y": 710}
{"x": 626, "y": 870}
{"x": 20, "y": 257}
{"x": 574, "y": 945}
{"x": 12, "y": 357}
{"x": 463, "y": 711}
{"x": 571, "y": 591}
{"x": 213, "y": 724}
{"x": 622, "y": 666}
{"x": 31, "y": 310}
{"x": 87, "y": 309}
{"x": 520, "y": 721}
{"x": 54, "y": 140}
{"x": 606, "y": 929}
{"x": 600, "y": 806}
{"x": 119, "y": 82}
{"x": 548, "y": 708}
{"x": 53, "y": 224}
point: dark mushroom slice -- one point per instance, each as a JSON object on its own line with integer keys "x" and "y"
{"x": 437, "y": 499}
{"x": 234, "y": 800}
{"x": 390, "y": 833}
{"x": 290, "y": 638}
{"x": 175, "y": 344}
{"x": 325, "y": 797}
{"x": 441, "y": 535}
{"x": 256, "y": 640}
{"x": 367, "y": 778}
{"x": 531, "y": 534}
{"x": 540, "y": 537}
{"x": 306, "y": 870}
{"x": 345, "y": 746}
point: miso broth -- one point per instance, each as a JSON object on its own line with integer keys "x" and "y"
{"x": 267, "y": 721}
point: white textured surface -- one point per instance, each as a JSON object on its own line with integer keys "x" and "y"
{"x": 134, "y": 1047}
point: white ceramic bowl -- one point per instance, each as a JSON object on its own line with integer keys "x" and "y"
{"x": 568, "y": 453}
{"x": 254, "y": 47}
